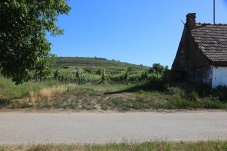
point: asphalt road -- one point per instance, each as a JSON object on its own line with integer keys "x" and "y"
{"x": 83, "y": 128}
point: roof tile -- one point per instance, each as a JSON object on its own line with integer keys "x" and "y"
{"x": 211, "y": 40}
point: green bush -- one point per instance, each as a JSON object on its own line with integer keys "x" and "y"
{"x": 193, "y": 96}
{"x": 221, "y": 93}
{"x": 214, "y": 105}
{"x": 176, "y": 92}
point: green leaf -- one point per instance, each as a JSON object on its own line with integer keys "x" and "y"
{"x": 24, "y": 50}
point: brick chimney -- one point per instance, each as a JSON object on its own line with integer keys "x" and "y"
{"x": 190, "y": 24}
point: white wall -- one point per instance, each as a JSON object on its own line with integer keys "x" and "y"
{"x": 219, "y": 76}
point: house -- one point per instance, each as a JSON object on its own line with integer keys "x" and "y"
{"x": 202, "y": 53}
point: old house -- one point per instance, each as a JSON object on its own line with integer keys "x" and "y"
{"x": 202, "y": 53}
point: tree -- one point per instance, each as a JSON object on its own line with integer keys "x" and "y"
{"x": 157, "y": 67}
{"x": 23, "y": 27}
{"x": 42, "y": 66}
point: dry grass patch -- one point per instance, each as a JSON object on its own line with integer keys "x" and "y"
{"x": 46, "y": 94}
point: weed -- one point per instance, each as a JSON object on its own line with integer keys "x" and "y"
{"x": 88, "y": 107}
{"x": 221, "y": 93}
{"x": 116, "y": 97}
{"x": 104, "y": 107}
{"x": 176, "y": 92}
{"x": 4, "y": 102}
{"x": 43, "y": 105}
{"x": 214, "y": 105}
{"x": 155, "y": 145}
{"x": 25, "y": 105}
{"x": 45, "y": 93}
{"x": 193, "y": 96}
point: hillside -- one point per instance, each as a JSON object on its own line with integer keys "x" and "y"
{"x": 71, "y": 63}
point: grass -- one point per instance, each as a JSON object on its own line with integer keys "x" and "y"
{"x": 8, "y": 89}
{"x": 148, "y": 96}
{"x": 125, "y": 146}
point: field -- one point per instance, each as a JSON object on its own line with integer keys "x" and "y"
{"x": 145, "y": 96}
{"x": 116, "y": 87}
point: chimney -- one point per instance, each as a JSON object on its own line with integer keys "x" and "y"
{"x": 190, "y": 24}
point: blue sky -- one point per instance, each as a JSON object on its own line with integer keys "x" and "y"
{"x": 134, "y": 31}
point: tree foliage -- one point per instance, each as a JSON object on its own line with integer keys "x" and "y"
{"x": 23, "y": 27}
{"x": 158, "y": 68}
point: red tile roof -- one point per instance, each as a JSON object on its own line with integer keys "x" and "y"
{"x": 212, "y": 40}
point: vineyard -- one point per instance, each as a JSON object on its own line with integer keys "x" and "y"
{"x": 81, "y": 76}
{"x": 97, "y": 71}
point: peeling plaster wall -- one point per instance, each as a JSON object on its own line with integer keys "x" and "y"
{"x": 219, "y": 76}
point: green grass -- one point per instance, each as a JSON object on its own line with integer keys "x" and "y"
{"x": 8, "y": 89}
{"x": 125, "y": 146}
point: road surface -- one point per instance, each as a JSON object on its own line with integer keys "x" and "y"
{"x": 86, "y": 128}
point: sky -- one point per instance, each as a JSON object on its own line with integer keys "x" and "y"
{"x": 134, "y": 31}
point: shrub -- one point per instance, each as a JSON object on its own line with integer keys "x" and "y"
{"x": 176, "y": 92}
{"x": 221, "y": 93}
{"x": 193, "y": 96}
